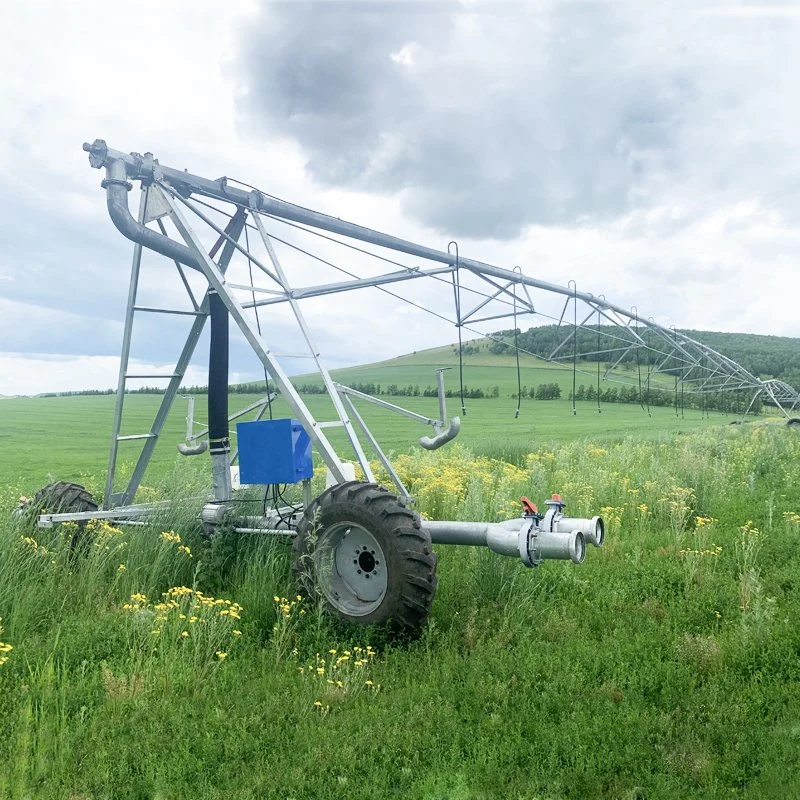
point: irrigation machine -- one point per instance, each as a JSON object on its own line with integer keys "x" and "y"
{"x": 358, "y": 546}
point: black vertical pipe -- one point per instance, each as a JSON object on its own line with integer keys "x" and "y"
{"x": 218, "y": 432}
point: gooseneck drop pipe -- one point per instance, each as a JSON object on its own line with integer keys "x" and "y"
{"x": 117, "y": 187}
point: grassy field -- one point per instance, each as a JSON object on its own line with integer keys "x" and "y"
{"x": 68, "y": 437}
{"x": 666, "y": 666}
{"x": 482, "y": 370}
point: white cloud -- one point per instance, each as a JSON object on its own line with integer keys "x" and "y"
{"x": 664, "y": 154}
{"x": 32, "y": 373}
{"x": 405, "y": 55}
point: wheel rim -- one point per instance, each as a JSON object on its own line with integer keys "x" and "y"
{"x": 351, "y": 569}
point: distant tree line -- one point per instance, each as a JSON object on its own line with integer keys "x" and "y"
{"x": 78, "y": 393}
{"x": 395, "y": 390}
{"x": 728, "y": 402}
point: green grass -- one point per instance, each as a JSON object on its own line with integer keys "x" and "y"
{"x": 68, "y": 438}
{"x": 654, "y": 670}
{"x": 482, "y": 370}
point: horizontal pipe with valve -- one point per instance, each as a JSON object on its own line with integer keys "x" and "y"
{"x": 533, "y": 537}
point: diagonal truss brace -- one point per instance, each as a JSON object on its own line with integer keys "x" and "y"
{"x": 265, "y": 355}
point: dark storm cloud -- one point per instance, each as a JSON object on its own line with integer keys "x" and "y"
{"x": 490, "y": 116}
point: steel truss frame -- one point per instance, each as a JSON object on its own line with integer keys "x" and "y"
{"x": 189, "y": 200}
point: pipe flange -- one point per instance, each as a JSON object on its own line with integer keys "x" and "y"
{"x": 527, "y": 545}
{"x": 97, "y": 150}
{"x": 106, "y": 182}
{"x": 147, "y": 169}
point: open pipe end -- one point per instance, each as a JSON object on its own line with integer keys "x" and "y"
{"x": 192, "y": 450}
{"x": 577, "y": 547}
{"x": 434, "y": 442}
{"x": 597, "y": 532}
{"x": 557, "y": 545}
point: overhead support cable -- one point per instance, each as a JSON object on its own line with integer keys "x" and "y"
{"x": 457, "y": 298}
{"x": 649, "y": 373}
{"x": 574, "y": 342}
{"x": 638, "y": 362}
{"x": 258, "y": 321}
{"x": 599, "y": 410}
{"x": 516, "y": 351}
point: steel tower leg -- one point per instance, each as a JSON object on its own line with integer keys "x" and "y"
{"x": 125, "y": 355}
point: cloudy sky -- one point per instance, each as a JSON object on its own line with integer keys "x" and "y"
{"x": 647, "y": 151}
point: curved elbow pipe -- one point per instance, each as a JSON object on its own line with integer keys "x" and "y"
{"x": 434, "y": 442}
{"x": 117, "y": 186}
{"x": 192, "y": 450}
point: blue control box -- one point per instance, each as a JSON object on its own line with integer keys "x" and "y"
{"x": 273, "y": 451}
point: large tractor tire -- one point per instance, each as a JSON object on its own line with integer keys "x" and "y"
{"x": 362, "y": 552}
{"x": 63, "y": 498}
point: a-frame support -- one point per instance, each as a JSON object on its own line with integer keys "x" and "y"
{"x": 150, "y": 438}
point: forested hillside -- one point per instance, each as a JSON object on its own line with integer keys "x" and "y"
{"x": 764, "y": 356}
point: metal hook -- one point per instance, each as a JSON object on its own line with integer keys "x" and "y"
{"x": 453, "y": 242}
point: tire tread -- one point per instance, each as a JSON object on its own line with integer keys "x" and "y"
{"x": 412, "y": 596}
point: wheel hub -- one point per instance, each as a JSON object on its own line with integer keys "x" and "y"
{"x": 351, "y": 569}
{"x": 367, "y": 562}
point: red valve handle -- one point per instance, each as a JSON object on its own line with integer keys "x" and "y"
{"x": 528, "y": 507}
